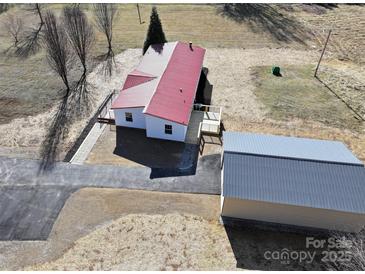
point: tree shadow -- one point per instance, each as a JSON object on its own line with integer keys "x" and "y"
{"x": 264, "y": 17}
{"x": 70, "y": 109}
{"x": 158, "y": 48}
{"x": 56, "y": 131}
{"x": 263, "y": 246}
{"x": 357, "y": 115}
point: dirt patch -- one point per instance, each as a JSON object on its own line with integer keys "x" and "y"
{"x": 150, "y": 242}
{"x": 89, "y": 208}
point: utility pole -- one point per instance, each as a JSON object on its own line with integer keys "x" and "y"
{"x": 324, "y": 49}
{"x": 139, "y": 14}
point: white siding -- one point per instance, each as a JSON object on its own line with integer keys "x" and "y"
{"x": 138, "y": 117}
{"x": 155, "y": 128}
{"x": 292, "y": 215}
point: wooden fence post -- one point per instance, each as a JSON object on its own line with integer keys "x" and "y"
{"x": 324, "y": 48}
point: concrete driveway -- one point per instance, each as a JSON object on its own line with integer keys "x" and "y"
{"x": 30, "y": 201}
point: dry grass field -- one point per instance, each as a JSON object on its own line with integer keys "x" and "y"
{"x": 29, "y": 91}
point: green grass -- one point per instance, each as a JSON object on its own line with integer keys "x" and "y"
{"x": 297, "y": 94}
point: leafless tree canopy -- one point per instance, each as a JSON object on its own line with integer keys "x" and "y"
{"x": 353, "y": 246}
{"x": 4, "y": 7}
{"x": 58, "y": 51}
{"x": 13, "y": 25}
{"x": 31, "y": 41}
{"x": 104, "y": 17}
{"x": 81, "y": 36}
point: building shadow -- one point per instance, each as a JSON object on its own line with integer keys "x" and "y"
{"x": 205, "y": 89}
{"x": 265, "y": 17}
{"x": 273, "y": 247}
{"x": 165, "y": 158}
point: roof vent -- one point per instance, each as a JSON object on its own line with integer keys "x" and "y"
{"x": 181, "y": 90}
{"x": 191, "y": 45}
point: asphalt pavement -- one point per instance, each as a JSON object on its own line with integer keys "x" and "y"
{"x": 30, "y": 200}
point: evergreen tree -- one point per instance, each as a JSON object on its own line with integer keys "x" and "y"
{"x": 155, "y": 34}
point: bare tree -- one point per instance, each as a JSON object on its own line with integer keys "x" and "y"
{"x": 81, "y": 36}
{"x": 351, "y": 252}
{"x": 58, "y": 50}
{"x": 4, "y": 7}
{"x": 104, "y": 17}
{"x": 13, "y": 25}
{"x": 31, "y": 41}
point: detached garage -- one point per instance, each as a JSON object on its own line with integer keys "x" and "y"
{"x": 295, "y": 181}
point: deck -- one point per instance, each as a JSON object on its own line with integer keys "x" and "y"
{"x": 204, "y": 119}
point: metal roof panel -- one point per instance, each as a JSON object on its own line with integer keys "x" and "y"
{"x": 296, "y": 182}
{"x": 288, "y": 147}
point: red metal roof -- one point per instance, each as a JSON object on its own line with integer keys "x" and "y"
{"x": 175, "y": 93}
{"x": 133, "y": 80}
{"x": 169, "y": 93}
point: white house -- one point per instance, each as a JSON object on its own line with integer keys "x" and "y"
{"x": 159, "y": 94}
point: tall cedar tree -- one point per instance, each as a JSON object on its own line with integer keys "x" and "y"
{"x": 155, "y": 34}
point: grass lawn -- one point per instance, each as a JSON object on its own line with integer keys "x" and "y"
{"x": 297, "y": 94}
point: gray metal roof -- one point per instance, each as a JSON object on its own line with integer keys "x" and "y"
{"x": 288, "y": 147}
{"x": 296, "y": 182}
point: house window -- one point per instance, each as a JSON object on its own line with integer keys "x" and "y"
{"x": 128, "y": 117}
{"x": 168, "y": 129}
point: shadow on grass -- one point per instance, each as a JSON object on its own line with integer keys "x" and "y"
{"x": 267, "y": 18}
{"x": 263, "y": 246}
{"x": 71, "y": 108}
{"x": 357, "y": 115}
{"x": 56, "y": 131}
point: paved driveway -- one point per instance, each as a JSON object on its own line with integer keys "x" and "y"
{"x": 28, "y": 213}
{"x": 30, "y": 202}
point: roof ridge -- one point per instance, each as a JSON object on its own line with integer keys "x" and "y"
{"x": 295, "y": 158}
{"x": 140, "y": 73}
{"x": 167, "y": 64}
